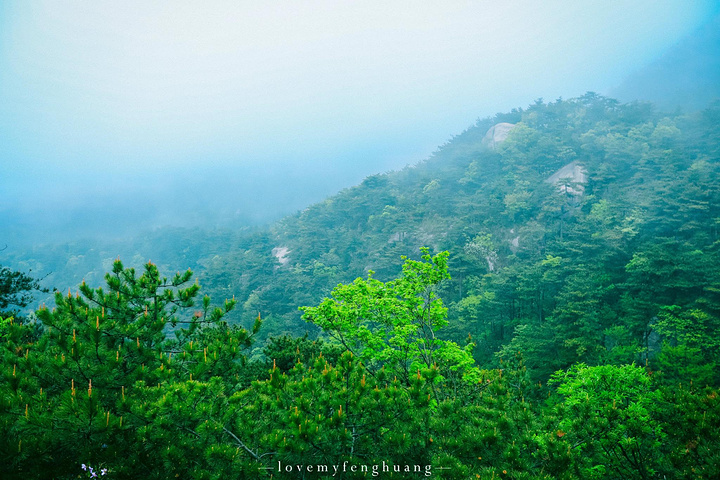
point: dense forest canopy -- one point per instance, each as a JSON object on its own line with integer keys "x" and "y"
{"x": 539, "y": 299}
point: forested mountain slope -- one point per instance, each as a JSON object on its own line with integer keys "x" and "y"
{"x": 561, "y": 272}
{"x": 581, "y": 239}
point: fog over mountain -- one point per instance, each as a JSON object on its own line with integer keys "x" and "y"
{"x": 686, "y": 76}
{"x": 398, "y": 239}
{"x": 117, "y": 120}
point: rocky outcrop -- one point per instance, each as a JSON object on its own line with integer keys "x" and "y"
{"x": 570, "y": 179}
{"x": 281, "y": 253}
{"x": 514, "y": 241}
{"x": 497, "y": 134}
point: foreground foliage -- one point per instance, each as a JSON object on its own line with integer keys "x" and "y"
{"x": 110, "y": 383}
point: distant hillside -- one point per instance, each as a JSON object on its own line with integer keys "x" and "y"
{"x": 686, "y": 76}
{"x": 571, "y": 226}
{"x": 567, "y": 238}
{"x": 583, "y": 239}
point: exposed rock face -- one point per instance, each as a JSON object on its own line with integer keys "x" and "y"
{"x": 281, "y": 253}
{"x": 570, "y": 178}
{"x": 514, "y": 243}
{"x": 491, "y": 262}
{"x": 497, "y": 134}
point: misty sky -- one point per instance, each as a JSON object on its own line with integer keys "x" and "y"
{"x": 257, "y": 108}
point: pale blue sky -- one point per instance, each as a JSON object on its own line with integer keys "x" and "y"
{"x": 99, "y": 98}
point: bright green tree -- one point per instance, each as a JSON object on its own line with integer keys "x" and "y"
{"x": 394, "y": 325}
{"x": 606, "y": 421}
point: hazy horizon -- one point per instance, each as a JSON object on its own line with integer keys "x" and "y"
{"x": 235, "y": 113}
